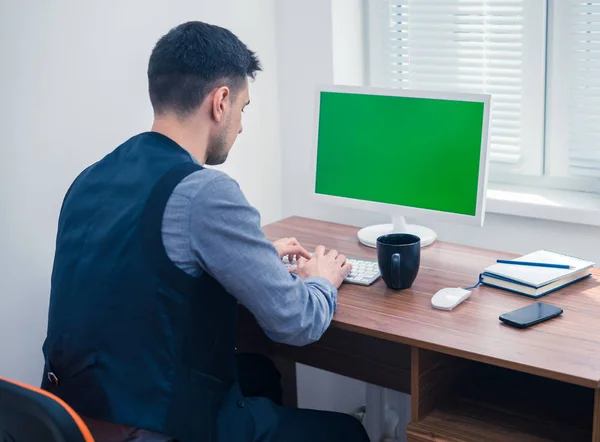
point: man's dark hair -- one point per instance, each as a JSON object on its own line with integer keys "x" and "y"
{"x": 192, "y": 59}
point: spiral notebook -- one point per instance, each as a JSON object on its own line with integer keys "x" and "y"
{"x": 537, "y": 281}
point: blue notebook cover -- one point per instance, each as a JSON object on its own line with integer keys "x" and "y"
{"x": 541, "y": 291}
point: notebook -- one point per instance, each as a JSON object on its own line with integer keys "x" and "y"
{"x": 537, "y": 281}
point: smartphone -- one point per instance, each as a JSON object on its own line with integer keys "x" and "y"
{"x": 531, "y": 315}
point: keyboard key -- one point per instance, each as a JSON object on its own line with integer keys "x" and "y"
{"x": 364, "y": 272}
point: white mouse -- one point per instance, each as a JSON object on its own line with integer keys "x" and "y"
{"x": 447, "y": 299}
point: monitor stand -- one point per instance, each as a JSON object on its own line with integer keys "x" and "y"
{"x": 368, "y": 235}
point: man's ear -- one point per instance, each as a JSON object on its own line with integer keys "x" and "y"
{"x": 220, "y": 102}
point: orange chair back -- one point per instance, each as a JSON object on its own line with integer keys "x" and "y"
{"x": 31, "y": 414}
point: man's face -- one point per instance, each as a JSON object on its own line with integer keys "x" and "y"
{"x": 230, "y": 127}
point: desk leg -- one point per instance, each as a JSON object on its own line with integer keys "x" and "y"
{"x": 287, "y": 368}
{"x": 596, "y": 430}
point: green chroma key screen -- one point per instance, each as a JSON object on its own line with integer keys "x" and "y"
{"x": 416, "y": 152}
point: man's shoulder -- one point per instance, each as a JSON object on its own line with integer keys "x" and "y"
{"x": 207, "y": 183}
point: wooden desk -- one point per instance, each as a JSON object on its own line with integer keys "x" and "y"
{"x": 470, "y": 377}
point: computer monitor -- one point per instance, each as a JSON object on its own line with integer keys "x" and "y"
{"x": 421, "y": 154}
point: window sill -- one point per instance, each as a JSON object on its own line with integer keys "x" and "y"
{"x": 550, "y": 204}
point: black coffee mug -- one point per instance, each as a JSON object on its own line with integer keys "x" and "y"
{"x": 399, "y": 257}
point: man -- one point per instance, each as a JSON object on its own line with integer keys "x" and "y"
{"x": 153, "y": 254}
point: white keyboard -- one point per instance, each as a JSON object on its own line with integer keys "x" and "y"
{"x": 364, "y": 271}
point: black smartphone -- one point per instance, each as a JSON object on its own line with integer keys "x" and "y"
{"x": 531, "y": 315}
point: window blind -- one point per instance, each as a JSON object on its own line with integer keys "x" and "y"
{"x": 576, "y": 71}
{"x": 472, "y": 46}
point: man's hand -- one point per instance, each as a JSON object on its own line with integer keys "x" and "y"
{"x": 291, "y": 248}
{"x": 331, "y": 266}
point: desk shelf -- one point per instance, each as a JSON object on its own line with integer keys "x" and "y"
{"x": 467, "y": 421}
{"x": 504, "y": 405}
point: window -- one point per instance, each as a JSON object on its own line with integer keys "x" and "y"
{"x": 540, "y": 60}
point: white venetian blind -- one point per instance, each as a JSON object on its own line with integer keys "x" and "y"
{"x": 576, "y": 88}
{"x": 470, "y": 46}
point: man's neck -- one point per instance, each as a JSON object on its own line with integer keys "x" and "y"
{"x": 189, "y": 139}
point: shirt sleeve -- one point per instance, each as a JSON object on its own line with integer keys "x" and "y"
{"x": 228, "y": 242}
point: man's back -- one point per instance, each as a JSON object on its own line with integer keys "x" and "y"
{"x": 131, "y": 337}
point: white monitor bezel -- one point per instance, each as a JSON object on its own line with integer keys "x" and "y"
{"x": 393, "y": 209}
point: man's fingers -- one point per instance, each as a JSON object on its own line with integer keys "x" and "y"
{"x": 302, "y": 252}
{"x": 333, "y": 253}
{"x": 341, "y": 259}
{"x": 320, "y": 251}
{"x": 291, "y": 251}
{"x": 346, "y": 268}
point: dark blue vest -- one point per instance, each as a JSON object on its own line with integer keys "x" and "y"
{"x": 132, "y": 339}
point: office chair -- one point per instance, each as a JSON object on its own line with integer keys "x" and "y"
{"x": 29, "y": 414}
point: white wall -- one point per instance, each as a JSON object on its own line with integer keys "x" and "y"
{"x": 306, "y": 35}
{"x": 73, "y": 87}
{"x": 348, "y": 39}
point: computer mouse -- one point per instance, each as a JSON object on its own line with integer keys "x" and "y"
{"x": 448, "y": 298}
